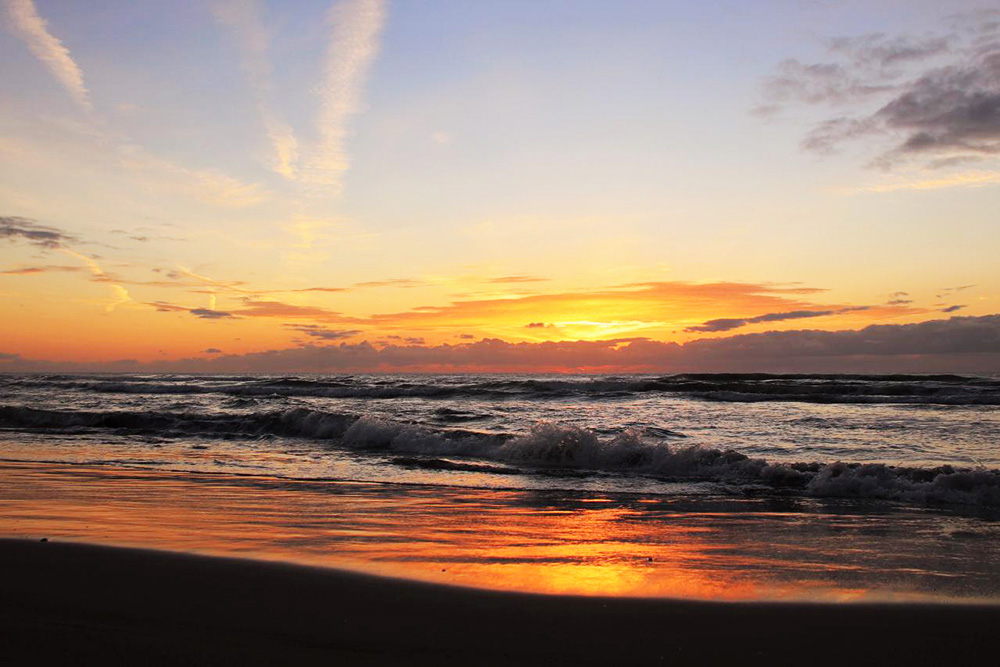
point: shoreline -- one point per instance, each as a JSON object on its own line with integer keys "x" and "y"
{"x": 87, "y": 604}
{"x": 709, "y": 548}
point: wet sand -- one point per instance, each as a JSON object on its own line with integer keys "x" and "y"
{"x": 83, "y": 604}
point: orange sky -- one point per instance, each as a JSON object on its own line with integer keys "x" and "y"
{"x": 248, "y": 177}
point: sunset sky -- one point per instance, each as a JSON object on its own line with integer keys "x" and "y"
{"x": 518, "y": 185}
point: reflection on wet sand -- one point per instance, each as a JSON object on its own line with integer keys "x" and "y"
{"x": 552, "y": 542}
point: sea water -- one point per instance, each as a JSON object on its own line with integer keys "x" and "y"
{"x": 719, "y": 486}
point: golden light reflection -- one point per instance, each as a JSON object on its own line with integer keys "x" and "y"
{"x": 510, "y": 540}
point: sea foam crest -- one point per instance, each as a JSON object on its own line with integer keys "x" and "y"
{"x": 545, "y": 445}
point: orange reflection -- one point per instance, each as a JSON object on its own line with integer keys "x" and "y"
{"x": 512, "y": 540}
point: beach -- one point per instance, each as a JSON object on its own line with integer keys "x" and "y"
{"x": 514, "y": 520}
{"x": 499, "y": 333}
{"x": 85, "y": 604}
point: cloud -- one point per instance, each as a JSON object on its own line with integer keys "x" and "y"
{"x": 319, "y": 289}
{"x": 939, "y": 97}
{"x": 119, "y": 294}
{"x": 535, "y": 325}
{"x": 876, "y": 50}
{"x": 32, "y": 28}
{"x": 898, "y": 302}
{"x": 322, "y": 332}
{"x": 970, "y": 179}
{"x": 392, "y": 282}
{"x": 355, "y": 26}
{"x": 640, "y": 305}
{"x": 953, "y": 110}
{"x": 212, "y": 350}
{"x": 825, "y": 83}
{"x": 34, "y": 270}
{"x": 958, "y": 344}
{"x": 208, "y": 314}
{"x": 261, "y": 308}
{"x": 6, "y": 356}
{"x": 14, "y": 227}
{"x": 208, "y": 185}
{"x": 727, "y": 324}
{"x": 245, "y": 18}
{"x": 952, "y": 309}
{"x": 164, "y": 307}
{"x": 516, "y": 279}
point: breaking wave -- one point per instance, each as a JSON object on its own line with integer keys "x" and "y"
{"x": 545, "y": 446}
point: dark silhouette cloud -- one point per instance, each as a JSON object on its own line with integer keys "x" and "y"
{"x": 953, "y": 109}
{"x": 213, "y": 350}
{"x": 728, "y": 324}
{"x": 947, "y": 292}
{"x": 535, "y": 325}
{"x": 323, "y": 333}
{"x": 208, "y": 314}
{"x": 14, "y": 227}
{"x": 952, "y": 309}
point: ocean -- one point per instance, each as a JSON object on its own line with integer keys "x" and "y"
{"x": 719, "y": 486}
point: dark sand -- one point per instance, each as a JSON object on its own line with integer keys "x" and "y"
{"x": 80, "y": 604}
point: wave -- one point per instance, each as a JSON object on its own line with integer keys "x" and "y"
{"x": 297, "y": 422}
{"x": 729, "y": 387}
{"x": 545, "y": 447}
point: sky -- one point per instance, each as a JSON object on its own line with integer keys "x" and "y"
{"x": 551, "y": 186}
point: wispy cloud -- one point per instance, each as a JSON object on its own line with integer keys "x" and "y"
{"x": 24, "y": 18}
{"x": 262, "y": 308}
{"x": 119, "y": 296}
{"x": 355, "y": 26}
{"x": 391, "y": 282}
{"x": 208, "y": 185}
{"x": 965, "y": 180}
{"x": 245, "y": 18}
{"x": 516, "y": 279}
